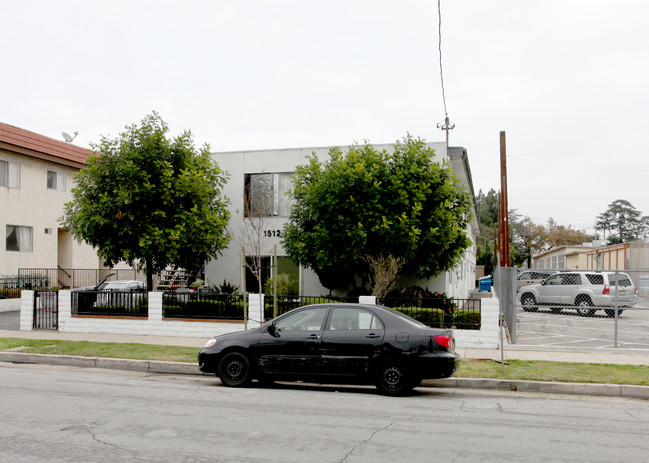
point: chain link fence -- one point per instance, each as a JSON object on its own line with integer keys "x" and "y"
{"x": 585, "y": 308}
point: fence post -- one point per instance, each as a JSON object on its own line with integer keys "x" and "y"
{"x": 27, "y": 310}
{"x": 617, "y": 306}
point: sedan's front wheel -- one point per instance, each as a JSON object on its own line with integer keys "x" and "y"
{"x": 393, "y": 379}
{"x": 234, "y": 370}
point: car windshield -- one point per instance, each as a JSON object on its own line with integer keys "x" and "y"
{"x": 407, "y": 318}
{"x": 114, "y": 285}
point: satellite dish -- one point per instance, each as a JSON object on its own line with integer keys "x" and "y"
{"x": 68, "y": 138}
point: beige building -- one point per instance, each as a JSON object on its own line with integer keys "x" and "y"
{"x": 562, "y": 258}
{"x": 36, "y": 175}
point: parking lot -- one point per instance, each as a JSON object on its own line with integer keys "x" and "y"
{"x": 568, "y": 329}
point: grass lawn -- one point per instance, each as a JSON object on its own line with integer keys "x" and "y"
{"x": 515, "y": 369}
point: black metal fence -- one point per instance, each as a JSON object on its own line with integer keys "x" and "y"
{"x": 122, "y": 303}
{"x": 206, "y": 305}
{"x": 286, "y": 303}
{"x": 49, "y": 278}
{"x": 464, "y": 314}
{"x": 9, "y": 289}
{"x": 46, "y": 310}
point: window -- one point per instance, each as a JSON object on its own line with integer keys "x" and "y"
{"x": 9, "y": 174}
{"x": 595, "y": 279}
{"x": 348, "y": 318}
{"x": 571, "y": 279}
{"x": 19, "y": 238}
{"x": 55, "y": 180}
{"x": 303, "y": 320}
{"x": 265, "y": 195}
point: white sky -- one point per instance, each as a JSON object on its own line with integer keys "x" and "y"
{"x": 568, "y": 80}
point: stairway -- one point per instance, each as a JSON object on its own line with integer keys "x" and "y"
{"x": 172, "y": 279}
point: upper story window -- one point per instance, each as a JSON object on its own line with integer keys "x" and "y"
{"x": 19, "y": 238}
{"x": 9, "y": 174}
{"x": 265, "y": 195}
{"x": 55, "y": 180}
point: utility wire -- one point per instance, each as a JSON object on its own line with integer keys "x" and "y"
{"x": 446, "y": 124}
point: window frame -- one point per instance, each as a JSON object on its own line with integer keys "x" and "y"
{"x": 58, "y": 180}
{"x": 23, "y": 236}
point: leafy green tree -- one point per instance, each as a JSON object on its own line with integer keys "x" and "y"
{"x": 622, "y": 222}
{"x": 373, "y": 203}
{"x": 149, "y": 200}
{"x": 487, "y": 211}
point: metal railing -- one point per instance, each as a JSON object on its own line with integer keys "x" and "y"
{"x": 9, "y": 289}
{"x": 286, "y": 303}
{"x": 206, "y": 305}
{"x": 49, "y": 278}
{"x": 121, "y": 303}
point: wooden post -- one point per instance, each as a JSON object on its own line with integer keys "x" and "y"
{"x": 243, "y": 288}
{"x": 503, "y": 214}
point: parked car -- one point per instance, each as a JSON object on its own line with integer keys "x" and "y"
{"x": 109, "y": 293}
{"x": 352, "y": 343}
{"x": 584, "y": 291}
{"x": 532, "y": 277}
{"x": 123, "y": 293}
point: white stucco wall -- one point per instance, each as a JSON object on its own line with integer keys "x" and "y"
{"x": 34, "y": 205}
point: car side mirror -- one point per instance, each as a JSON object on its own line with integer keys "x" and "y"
{"x": 271, "y": 330}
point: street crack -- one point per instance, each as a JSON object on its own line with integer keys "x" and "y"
{"x": 89, "y": 429}
{"x": 383, "y": 428}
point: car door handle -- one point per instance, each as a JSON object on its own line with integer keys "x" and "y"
{"x": 372, "y": 336}
{"x": 314, "y": 336}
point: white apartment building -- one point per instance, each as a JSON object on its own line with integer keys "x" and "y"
{"x": 275, "y": 168}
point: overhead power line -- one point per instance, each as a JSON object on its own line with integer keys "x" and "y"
{"x": 446, "y": 124}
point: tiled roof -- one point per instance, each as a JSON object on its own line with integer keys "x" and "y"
{"x": 26, "y": 142}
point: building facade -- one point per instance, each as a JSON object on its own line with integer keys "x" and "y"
{"x": 36, "y": 175}
{"x": 269, "y": 172}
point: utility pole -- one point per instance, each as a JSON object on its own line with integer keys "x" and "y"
{"x": 503, "y": 207}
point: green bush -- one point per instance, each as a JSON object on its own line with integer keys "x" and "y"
{"x": 285, "y": 286}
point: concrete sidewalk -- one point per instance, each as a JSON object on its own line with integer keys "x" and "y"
{"x": 511, "y": 352}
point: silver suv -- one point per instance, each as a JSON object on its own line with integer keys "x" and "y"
{"x": 584, "y": 291}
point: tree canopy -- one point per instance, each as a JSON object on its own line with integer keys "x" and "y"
{"x": 622, "y": 222}
{"x": 365, "y": 202}
{"x": 149, "y": 200}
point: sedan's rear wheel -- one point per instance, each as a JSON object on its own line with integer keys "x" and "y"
{"x": 393, "y": 379}
{"x": 234, "y": 370}
{"x": 583, "y": 307}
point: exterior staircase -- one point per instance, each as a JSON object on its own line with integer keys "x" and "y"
{"x": 172, "y": 279}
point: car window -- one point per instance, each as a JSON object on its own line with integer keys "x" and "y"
{"x": 350, "y": 318}
{"x": 622, "y": 279}
{"x": 553, "y": 280}
{"x": 525, "y": 276}
{"x": 303, "y": 320}
{"x": 595, "y": 278}
{"x": 571, "y": 279}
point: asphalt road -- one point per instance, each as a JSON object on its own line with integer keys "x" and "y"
{"x": 66, "y": 414}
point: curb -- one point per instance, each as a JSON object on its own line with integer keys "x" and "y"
{"x": 593, "y": 389}
{"x": 154, "y": 366}
{"x": 150, "y": 366}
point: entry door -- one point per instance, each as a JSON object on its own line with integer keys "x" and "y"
{"x": 294, "y": 345}
{"x": 348, "y": 344}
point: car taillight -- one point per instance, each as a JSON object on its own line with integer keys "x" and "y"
{"x": 606, "y": 290}
{"x": 444, "y": 340}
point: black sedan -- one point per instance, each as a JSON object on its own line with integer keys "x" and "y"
{"x": 326, "y": 343}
